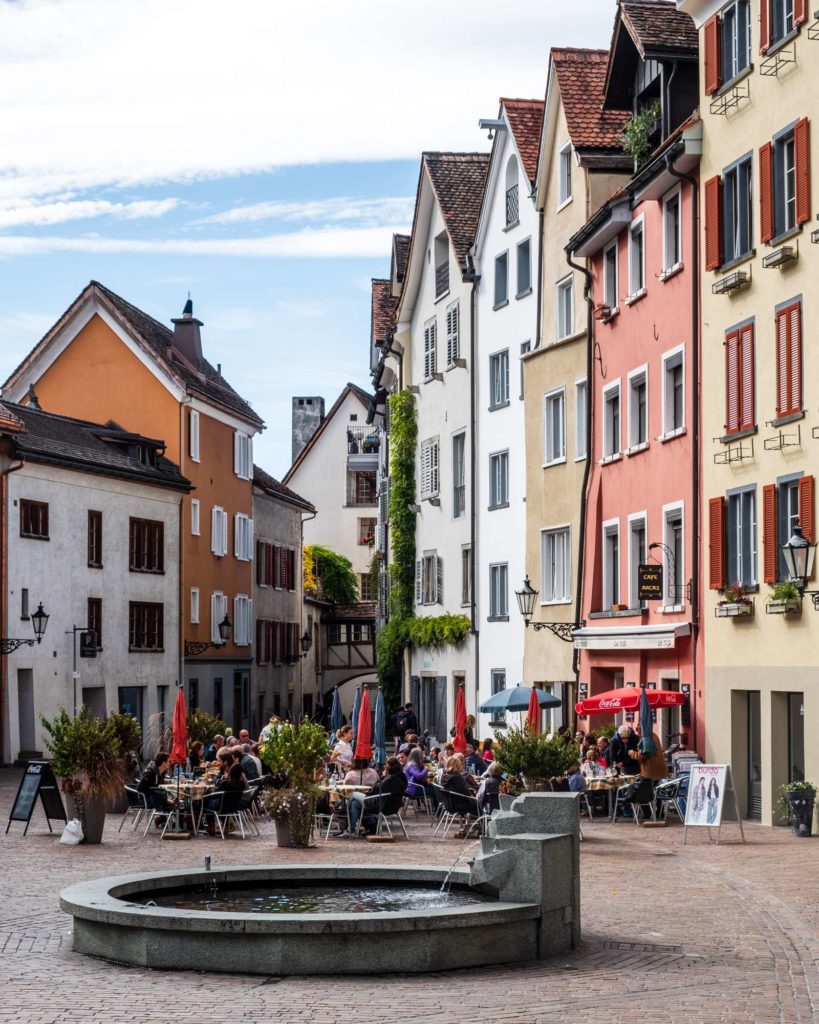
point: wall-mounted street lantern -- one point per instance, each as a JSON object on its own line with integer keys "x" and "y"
{"x": 193, "y": 647}
{"x": 526, "y": 597}
{"x": 306, "y": 643}
{"x": 799, "y": 555}
{"x": 39, "y": 621}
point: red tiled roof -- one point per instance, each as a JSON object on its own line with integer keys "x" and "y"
{"x": 581, "y": 75}
{"x": 382, "y": 316}
{"x": 458, "y": 180}
{"x": 401, "y": 248}
{"x": 525, "y": 118}
{"x": 657, "y": 26}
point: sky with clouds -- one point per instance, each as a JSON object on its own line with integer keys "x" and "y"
{"x": 259, "y": 155}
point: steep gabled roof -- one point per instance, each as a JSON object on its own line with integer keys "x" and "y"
{"x": 273, "y": 487}
{"x": 656, "y": 26}
{"x": 458, "y": 181}
{"x": 400, "y": 255}
{"x": 581, "y": 76}
{"x": 349, "y": 389}
{"x": 382, "y": 313}
{"x": 525, "y": 119}
{"x": 157, "y": 341}
{"x": 101, "y": 448}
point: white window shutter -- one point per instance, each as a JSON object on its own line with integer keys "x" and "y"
{"x": 214, "y": 618}
{"x": 419, "y": 582}
{"x": 249, "y": 549}
{"x": 248, "y": 620}
{"x": 439, "y": 578}
{"x": 238, "y": 625}
{"x": 237, "y": 453}
{"x": 433, "y": 468}
{"x": 224, "y": 539}
{"x": 193, "y": 439}
{"x": 215, "y": 531}
{"x": 237, "y": 536}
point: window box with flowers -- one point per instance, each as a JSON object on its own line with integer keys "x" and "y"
{"x": 784, "y": 600}
{"x": 735, "y": 603}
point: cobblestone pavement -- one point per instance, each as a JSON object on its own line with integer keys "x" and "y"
{"x": 670, "y": 933}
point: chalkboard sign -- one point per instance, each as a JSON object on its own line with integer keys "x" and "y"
{"x": 38, "y": 780}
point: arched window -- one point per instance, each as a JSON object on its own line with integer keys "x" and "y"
{"x": 512, "y": 206}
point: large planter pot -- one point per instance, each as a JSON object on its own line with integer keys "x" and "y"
{"x": 296, "y": 828}
{"x": 536, "y": 784}
{"x": 801, "y": 804}
{"x": 92, "y": 815}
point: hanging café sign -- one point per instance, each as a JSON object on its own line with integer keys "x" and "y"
{"x": 650, "y": 582}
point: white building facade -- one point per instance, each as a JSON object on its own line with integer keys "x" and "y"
{"x": 506, "y": 259}
{"x": 435, "y": 330}
{"x": 92, "y": 532}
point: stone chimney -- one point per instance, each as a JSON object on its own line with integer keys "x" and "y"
{"x": 308, "y": 415}
{"x": 186, "y": 339}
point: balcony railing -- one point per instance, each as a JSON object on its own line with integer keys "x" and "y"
{"x": 362, "y": 439}
{"x": 441, "y": 279}
{"x": 512, "y": 207}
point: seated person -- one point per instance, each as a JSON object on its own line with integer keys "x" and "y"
{"x": 591, "y": 768}
{"x": 386, "y": 797}
{"x": 361, "y": 774}
{"x": 234, "y": 782}
{"x": 486, "y": 750}
{"x": 213, "y": 748}
{"x": 454, "y": 780}
{"x": 603, "y": 751}
{"x": 196, "y": 754}
{"x": 342, "y": 752}
{"x": 473, "y": 761}
{"x": 435, "y": 756}
{"x": 224, "y": 759}
{"x": 251, "y": 765}
{"x": 489, "y": 787}
{"x": 153, "y": 777}
{"x": 416, "y": 773}
{"x": 576, "y": 780}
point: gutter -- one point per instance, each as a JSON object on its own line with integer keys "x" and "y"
{"x": 695, "y": 416}
{"x": 473, "y": 485}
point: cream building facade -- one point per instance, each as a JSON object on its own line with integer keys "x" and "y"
{"x": 759, "y": 395}
{"x": 580, "y": 164}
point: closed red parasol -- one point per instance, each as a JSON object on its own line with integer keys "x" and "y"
{"x": 459, "y": 743}
{"x": 179, "y": 751}
{"x": 627, "y": 698}
{"x": 364, "y": 733}
{"x": 533, "y": 714}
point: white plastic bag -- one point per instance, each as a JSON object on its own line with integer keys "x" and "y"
{"x": 72, "y": 834}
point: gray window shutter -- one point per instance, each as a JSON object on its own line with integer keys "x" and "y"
{"x": 419, "y": 589}
{"x": 439, "y": 569}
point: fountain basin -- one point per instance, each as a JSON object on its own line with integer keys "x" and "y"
{"x": 112, "y": 921}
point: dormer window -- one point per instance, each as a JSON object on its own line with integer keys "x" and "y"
{"x": 564, "y": 175}
{"x": 512, "y": 192}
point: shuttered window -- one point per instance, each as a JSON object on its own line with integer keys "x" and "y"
{"x": 766, "y": 200}
{"x": 801, "y": 139}
{"x": 806, "y": 513}
{"x": 789, "y": 359}
{"x": 770, "y": 547}
{"x": 713, "y": 233}
{"x": 218, "y": 531}
{"x": 764, "y": 26}
{"x": 453, "y": 334}
{"x": 430, "y": 354}
{"x": 711, "y": 46}
{"x": 218, "y": 611}
{"x": 430, "y": 478}
{"x": 739, "y": 379}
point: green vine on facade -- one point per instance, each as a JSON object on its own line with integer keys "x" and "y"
{"x": 404, "y": 629}
{"x": 637, "y": 133}
{"x": 329, "y": 576}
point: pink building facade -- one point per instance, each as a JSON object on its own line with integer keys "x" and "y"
{"x": 642, "y": 497}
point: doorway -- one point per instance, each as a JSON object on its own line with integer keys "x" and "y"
{"x": 669, "y": 718}
{"x": 754, "y": 770}
{"x": 796, "y": 737}
{"x": 25, "y": 710}
{"x": 94, "y": 699}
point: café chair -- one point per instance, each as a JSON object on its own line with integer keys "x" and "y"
{"x": 137, "y": 806}
{"x": 637, "y": 795}
{"x": 229, "y": 809}
{"x": 671, "y": 794}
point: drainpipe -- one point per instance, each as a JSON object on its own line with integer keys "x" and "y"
{"x": 473, "y": 461}
{"x": 695, "y": 416}
{"x": 539, "y": 314}
{"x": 581, "y": 543}
{"x": 4, "y": 522}
{"x": 302, "y": 520}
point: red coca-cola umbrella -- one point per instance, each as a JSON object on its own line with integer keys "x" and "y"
{"x": 179, "y": 750}
{"x": 459, "y": 743}
{"x": 627, "y": 698}
{"x": 364, "y": 734}
{"x": 533, "y": 714}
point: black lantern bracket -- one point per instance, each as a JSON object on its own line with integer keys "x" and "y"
{"x": 526, "y": 598}
{"x": 39, "y": 621}
{"x": 196, "y": 647}
{"x": 562, "y": 630}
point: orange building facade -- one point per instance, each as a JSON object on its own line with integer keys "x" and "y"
{"x": 106, "y": 360}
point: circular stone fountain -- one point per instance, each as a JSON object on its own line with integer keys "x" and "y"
{"x": 274, "y": 927}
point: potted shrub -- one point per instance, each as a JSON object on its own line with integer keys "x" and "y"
{"x": 538, "y": 761}
{"x": 799, "y": 798}
{"x": 87, "y": 757}
{"x": 784, "y": 599}
{"x": 735, "y": 603}
{"x": 293, "y": 752}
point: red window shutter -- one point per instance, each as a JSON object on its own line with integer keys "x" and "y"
{"x": 789, "y": 360}
{"x": 713, "y": 234}
{"x": 770, "y": 548}
{"x": 711, "y": 46}
{"x": 766, "y": 204}
{"x": 732, "y": 382}
{"x": 747, "y": 410}
{"x": 283, "y": 568}
{"x": 291, "y": 565}
{"x": 806, "y": 488}
{"x": 800, "y": 11}
{"x": 716, "y": 542}
{"x": 260, "y": 580}
{"x": 801, "y": 146}
{"x": 764, "y": 26}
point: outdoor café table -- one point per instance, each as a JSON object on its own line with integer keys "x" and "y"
{"x": 191, "y": 795}
{"x": 610, "y": 784}
{"x": 343, "y": 791}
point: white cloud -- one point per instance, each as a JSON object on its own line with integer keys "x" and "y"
{"x": 325, "y": 243}
{"x": 159, "y": 91}
{"x": 43, "y": 214}
{"x": 371, "y": 212}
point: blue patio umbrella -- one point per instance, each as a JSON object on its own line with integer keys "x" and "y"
{"x": 380, "y": 729}
{"x": 335, "y": 712}
{"x": 356, "y": 706}
{"x": 647, "y": 744}
{"x": 516, "y": 698}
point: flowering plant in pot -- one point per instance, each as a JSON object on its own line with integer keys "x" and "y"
{"x": 799, "y": 799}
{"x": 539, "y": 762}
{"x": 88, "y": 758}
{"x": 293, "y": 752}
